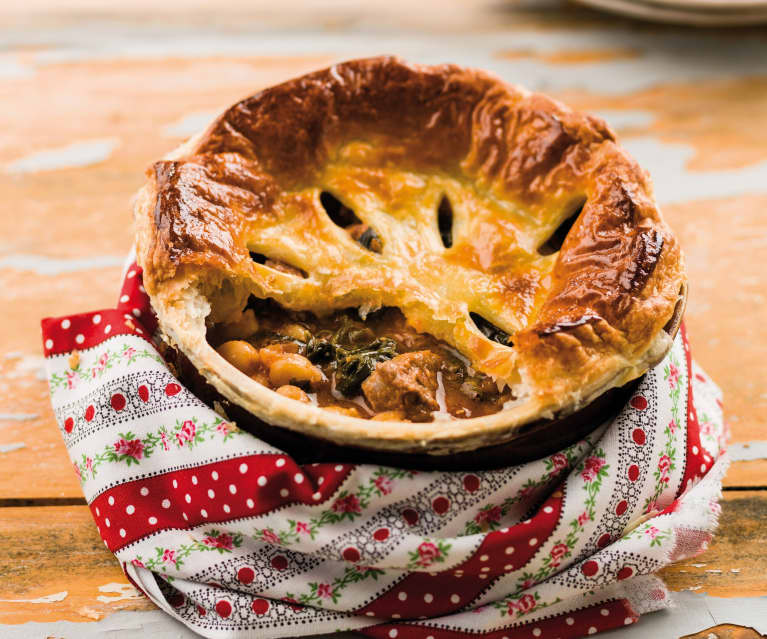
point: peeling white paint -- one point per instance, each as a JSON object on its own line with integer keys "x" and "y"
{"x": 56, "y": 266}
{"x": 29, "y": 364}
{"x": 14, "y": 69}
{"x": 674, "y": 183}
{"x": 748, "y": 451}
{"x": 189, "y": 124}
{"x": 628, "y": 119}
{"x": 18, "y": 417}
{"x": 57, "y": 596}
{"x": 90, "y": 613}
{"x": 7, "y": 448}
{"x": 123, "y": 591}
{"x": 665, "y": 58}
{"x": 77, "y": 154}
{"x": 121, "y": 625}
{"x": 692, "y": 613}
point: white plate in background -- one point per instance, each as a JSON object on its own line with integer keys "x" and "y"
{"x": 709, "y": 13}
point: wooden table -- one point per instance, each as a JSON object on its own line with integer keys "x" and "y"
{"x": 90, "y": 95}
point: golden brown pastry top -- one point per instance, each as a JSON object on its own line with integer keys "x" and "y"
{"x": 389, "y": 140}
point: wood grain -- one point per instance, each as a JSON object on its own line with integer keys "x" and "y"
{"x": 721, "y": 119}
{"x": 64, "y": 82}
{"x": 735, "y": 565}
{"x": 49, "y": 550}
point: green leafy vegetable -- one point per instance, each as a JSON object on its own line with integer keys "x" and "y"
{"x": 355, "y": 366}
{"x": 353, "y": 352}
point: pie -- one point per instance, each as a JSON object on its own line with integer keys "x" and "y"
{"x": 408, "y": 258}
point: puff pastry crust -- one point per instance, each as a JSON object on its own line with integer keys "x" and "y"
{"x": 390, "y": 140}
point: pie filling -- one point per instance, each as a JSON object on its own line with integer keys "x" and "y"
{"x": 378, "y": 368}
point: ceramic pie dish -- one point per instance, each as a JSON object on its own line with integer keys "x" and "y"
{"x": 408, "y": 259}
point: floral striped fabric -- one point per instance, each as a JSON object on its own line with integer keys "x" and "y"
{"x": 233, "y": 538}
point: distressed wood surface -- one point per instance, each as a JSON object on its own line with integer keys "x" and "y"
{"x": 90, "y": 95}
{"x": 48, "y": 550}
{"x": 54, "y": 566}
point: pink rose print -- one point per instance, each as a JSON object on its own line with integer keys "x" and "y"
{"x": 72, "y": 379}
{"x": 672, "y": 426}
{"x": 494, "y": 514}
{"x": 138, "y": 563}
{"x": 348, "y": 504}
{"x": 384, "y": 484}
{"x": 653, "y": 505}
{"x": 77, "y": 471}
{"x": 89, "y": 464}
{"x": 187, "y": 432}
{"x": 101, "y": 364}
{"x": 557, "y": 552}
{"x": 269, "y": 537}
{"x": 652, "y": 531}
{"x": 527, "y": 583}
{"x": 129, "y": 352}
{"x": 324, "y": 591}
{"x": 428, "y": 553}
{"x": 559, "y": 462}
{"x": 224, "y": 541}
{"x": 591, "y": 468}
{"x": 522, "y": 605}
{"x": 664, "y": 465}
{"x": 673, "y": 376}
{"x": 223, "y": 428}
{"x": 169, "y": 557}
{"x": 491, "y": 515}
{"x": 583, "y": 518}
{"x": 303, "y": 527}
{"x": 133, "y": 448}
{"x": 164, "y": 440}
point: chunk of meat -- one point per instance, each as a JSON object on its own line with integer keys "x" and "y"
{"x": 408, "y": 382}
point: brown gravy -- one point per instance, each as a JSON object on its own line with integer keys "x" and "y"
{"x": 348, "y": 351}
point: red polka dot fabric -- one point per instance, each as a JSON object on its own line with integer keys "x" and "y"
{"x": 234, "y": 538}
